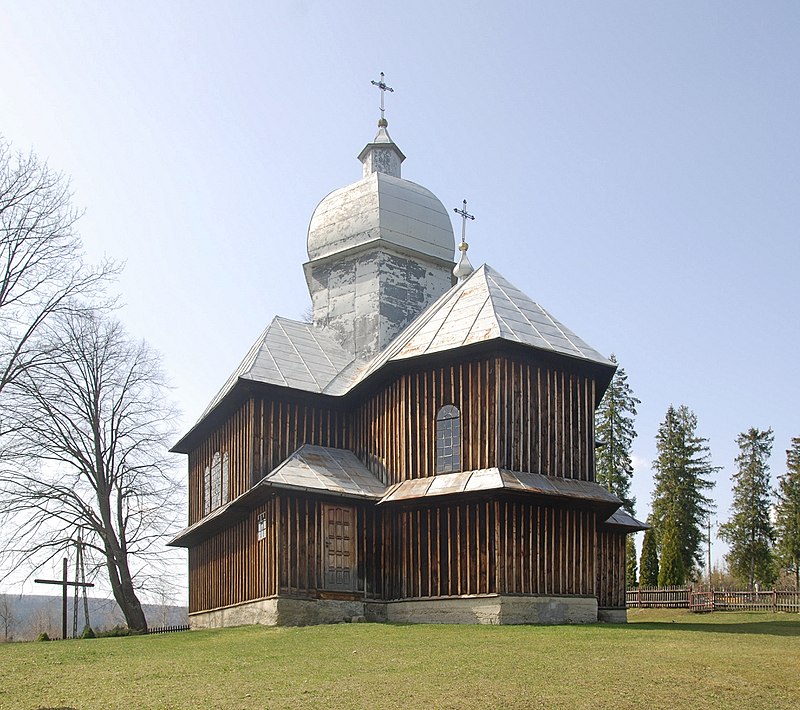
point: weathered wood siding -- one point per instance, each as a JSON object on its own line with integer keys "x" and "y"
{"x": 233, "y": 437}
{"x": 610, "y": 568}
{"x": 234, "y": 566}
{"x": 282, "y": 426}
{"x": 514, "y": 414}
{"x": 506, "y": 547}
{"x": 301, "y": 542}
{"x": 258, "y": 436}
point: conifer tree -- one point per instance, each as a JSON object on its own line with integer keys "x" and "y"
{"x": 614, "y": 427}
{"x": 648, "y": 566}
{"x": 682, "y": 471}
{"x": 749, "y": 530}
{"x": 630, "y": 562}
{"x": 787, "y": 514}
{"x": 671, "y": 571}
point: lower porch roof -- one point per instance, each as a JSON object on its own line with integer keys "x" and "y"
{"x": 339, "y": 473}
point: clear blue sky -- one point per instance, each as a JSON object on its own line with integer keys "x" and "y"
{"x": 634, "y": 167}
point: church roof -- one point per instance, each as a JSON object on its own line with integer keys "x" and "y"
{"x": 621, "y": 519}
{"x": 485, "y": 306}
{"x": 289, "y": 354}
{"x": 505, "y": 480}
{"x": 325, "y": 470}
{"x": 381, "y": 208}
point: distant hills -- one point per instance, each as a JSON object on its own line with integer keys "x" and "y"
{"x": 25, "y": 617}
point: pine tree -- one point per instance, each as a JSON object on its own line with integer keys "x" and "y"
{"x": 648, "y": 565}
{"x": 672, "y": 571}
{"x": 682, "y": 471}
{"x": 630, "y": 562}
{"x": 787, "y": 514}
{"x": 749, "y": 530}
{"x": 614, "y": 427}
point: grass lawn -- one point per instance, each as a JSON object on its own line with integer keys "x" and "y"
{"x": 661, "y": 659}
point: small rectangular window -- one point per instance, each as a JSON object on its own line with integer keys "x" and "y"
{"x": 261, "y": 523}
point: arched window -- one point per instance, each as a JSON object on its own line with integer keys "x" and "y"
{"x": 216, "y": 487}
{"x": 207, "y": 490}
{"x": 448, "y": 440}
{"x": 225, "y": 469}
{"x": 216, "y": 480}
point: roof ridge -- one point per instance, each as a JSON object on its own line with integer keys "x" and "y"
{"x": 519, "y": 310}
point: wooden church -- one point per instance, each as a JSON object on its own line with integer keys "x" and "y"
{"x": 423, "y": 451}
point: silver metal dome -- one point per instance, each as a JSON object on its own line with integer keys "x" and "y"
{"x": 381, "y": 207}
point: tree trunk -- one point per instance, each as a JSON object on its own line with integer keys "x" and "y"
{"x": 124, "y": 593}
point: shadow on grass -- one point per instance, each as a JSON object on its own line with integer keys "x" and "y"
{"x": 764, "y": 628}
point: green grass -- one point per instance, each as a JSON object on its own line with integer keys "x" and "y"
{"x": 659, "y": 660}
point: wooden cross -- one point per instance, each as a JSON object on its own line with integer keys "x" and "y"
{"x": 464, "y": 217}
{"x": 64, "y": 584}
{"x": 384, "y": 88}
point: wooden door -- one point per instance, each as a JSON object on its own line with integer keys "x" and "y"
{"x": 339, "y": 539}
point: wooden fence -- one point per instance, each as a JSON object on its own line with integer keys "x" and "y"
{"x": 167, "y": 629}
{"x": 700, "y": 600}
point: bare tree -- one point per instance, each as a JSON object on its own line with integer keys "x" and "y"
{"x": 42, "y": 270}
{"x": 92, "y": 427}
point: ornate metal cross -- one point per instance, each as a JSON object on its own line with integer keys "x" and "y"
{"x": 464, "y": 217}
{"x": 384, "y": 88}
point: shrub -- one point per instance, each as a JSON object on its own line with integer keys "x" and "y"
{"x": 88, "y": 633}
{"x": 115, "y": 632}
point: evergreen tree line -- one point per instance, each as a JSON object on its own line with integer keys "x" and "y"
{"x": 763, "y": 530}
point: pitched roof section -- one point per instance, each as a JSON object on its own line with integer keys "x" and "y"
{"x": 484, "y": 307}
{"x": 502, "y": 479}
{"x": 324, "y": 470}
{"x": 289, "y": 354}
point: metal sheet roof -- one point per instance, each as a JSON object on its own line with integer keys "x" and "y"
{"x": 290, "y": 354}
{"x": 484, "y": 307}
{"x": 621, "y": 518}
{"x": 382, "y": 207}
{"x": 311, "y": 469}
{"x": 322, "y": 469}
{"x": 500, "y": 479}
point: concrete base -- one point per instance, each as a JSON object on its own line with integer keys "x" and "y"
{"x": 488, "y": 609}
{"x": 280, "y": 611}
{"x": 613, "y": 615}
{"x": 495, "y": 609}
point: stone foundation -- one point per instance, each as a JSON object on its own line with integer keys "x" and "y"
{"x": 487, "y": 609}
{"x": 280, "y": 611}
{"x": 612, "y": 615}
{"x": 495, "y": 609}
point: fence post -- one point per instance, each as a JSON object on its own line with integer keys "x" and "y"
{"x": 639, "y": 597}
{"x": 774, "y": 600}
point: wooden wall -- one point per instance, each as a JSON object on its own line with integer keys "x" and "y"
{"x": 301, "y": 553}
{"x": 234, "y": 566}
{"x": 502, "y": 546}
{"x": 282, "y": 426}
{"x": 514, "y": 414}
{"x": 233, "y": 437}
{"x": 610, "y": 568}
{"x": 506, "y": 547}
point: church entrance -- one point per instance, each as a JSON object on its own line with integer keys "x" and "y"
{"x": 339, "y": 538}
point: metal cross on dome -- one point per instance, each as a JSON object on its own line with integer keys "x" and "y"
{"x": 464, "y": 217}
{"x": 384, "y": 88}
